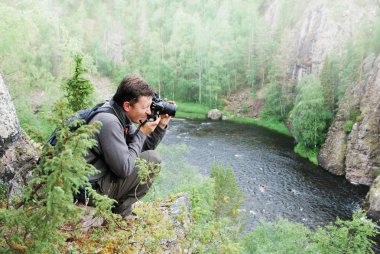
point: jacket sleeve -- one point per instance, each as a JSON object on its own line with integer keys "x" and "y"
{"x": 154, "y": 139}
{"x": 118, "y": 155}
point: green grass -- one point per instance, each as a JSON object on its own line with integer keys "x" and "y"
{"x": 192, "y": 108}
{"x": 196, "y": 111}
{"x": 311, "y": 155}
{"x": 269, "y": 124}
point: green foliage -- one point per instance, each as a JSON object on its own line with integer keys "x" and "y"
{"x": 309, "y": 117}
{"x": 349, "y": 64}
{"x": 3, "y": 193}
{"x": 31, "y": 226}
{"x": 280, "y": 236}
{"x": 278, "y": 101}
{"x": 78, "y": 90}
{"x": 329, "y": 78}
{"x": 347, "y": 127}
{"x": 310, "y": 154}
{"x": 355, "y": 115}
{"x": 191, "y": 110}
{"x": 216, "y": 227}
{"x": 147, "y": 171}
{"x": 227, "y": 196}
{"x": 346, "y": 236}
{"x": 209, "y": 233}
{"x": 245, "y": 107}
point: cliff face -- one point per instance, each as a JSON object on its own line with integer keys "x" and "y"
{"x": 357, "y": 155}
{"x": 363, "y": 149}
{"x": 320, "y": 28}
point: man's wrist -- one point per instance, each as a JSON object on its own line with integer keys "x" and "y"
{"x": 162, "y": 126}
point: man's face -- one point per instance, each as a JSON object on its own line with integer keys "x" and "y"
{"x": 140, "y": 110}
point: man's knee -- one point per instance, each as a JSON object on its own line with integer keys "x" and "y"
{"x": 151, "y": 156}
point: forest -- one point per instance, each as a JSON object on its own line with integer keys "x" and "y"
{"x": 196, "y": 52}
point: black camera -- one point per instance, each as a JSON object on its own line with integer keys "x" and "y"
{"x": 161, "y": 107}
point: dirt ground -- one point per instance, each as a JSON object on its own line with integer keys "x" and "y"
{"x": 244, "y": 103}
{"x": 104, "y": 89}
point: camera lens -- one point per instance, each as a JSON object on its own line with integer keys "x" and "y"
{"x": 168, "y": 108}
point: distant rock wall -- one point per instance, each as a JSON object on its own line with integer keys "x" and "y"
{"x": 323, "y": 28}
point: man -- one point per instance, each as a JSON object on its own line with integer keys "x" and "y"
{"x": 120, "y": 143}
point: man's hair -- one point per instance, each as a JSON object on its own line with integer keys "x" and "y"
{"x": 130, "y": 89}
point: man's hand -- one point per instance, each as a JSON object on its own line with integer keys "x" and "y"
{"x": 149, "y": 127}
{"x": 165, "y": 119}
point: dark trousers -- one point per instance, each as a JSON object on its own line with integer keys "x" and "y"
{"x": 126, "y": 191}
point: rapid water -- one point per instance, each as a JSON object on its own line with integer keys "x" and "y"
{"x": 275, "y": 180}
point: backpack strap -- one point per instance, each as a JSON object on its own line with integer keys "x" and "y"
{"x": 89, "y": 115}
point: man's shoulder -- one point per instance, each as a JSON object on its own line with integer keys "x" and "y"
{"x": 105, "y": 116}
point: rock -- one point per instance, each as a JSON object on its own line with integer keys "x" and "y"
{"x": 9, "y": 124}
{"x": 357, "y": 154}
{"x": 215, "y": 114}
{"x": 18, "y": 156}
{"x": 89, "y": 219}
{"x": 373, "y": 199}
{"x": 363, "y": 144}
{"x": 333, "y": 151}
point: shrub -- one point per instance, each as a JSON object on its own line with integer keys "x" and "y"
{"x": 280, "y": 236}
{"x": 346, "y": 236}
{"x": 227, "y": 195}
{"x": 347, "y": 127}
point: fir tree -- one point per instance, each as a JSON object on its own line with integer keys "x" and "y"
{"x": 30, "y": 225}
{"x": 78, "y": 90}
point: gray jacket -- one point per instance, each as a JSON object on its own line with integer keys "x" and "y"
{"x": 118, "y": 151}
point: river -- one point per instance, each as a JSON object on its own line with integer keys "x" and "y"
{"x": 275, "y": 180}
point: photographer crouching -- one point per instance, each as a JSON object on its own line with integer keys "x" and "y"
{"x": 120, "y": 142}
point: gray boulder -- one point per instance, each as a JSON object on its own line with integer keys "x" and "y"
{"x": 215, "y": 114}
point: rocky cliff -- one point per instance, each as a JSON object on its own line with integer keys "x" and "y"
{"x": 17, "y": 154}
{"x": 356, "y": 154}
{"x": 322, "y": 29}
{"x": 313, "y": 30}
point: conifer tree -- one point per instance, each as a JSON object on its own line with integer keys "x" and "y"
{"x": 30, "y": 225}
{"x": 78, "y": 90}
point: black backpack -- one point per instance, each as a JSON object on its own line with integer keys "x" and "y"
{"x": 84, "y": 114}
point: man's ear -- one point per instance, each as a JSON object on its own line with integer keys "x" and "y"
{"x": 126, "y": 106}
